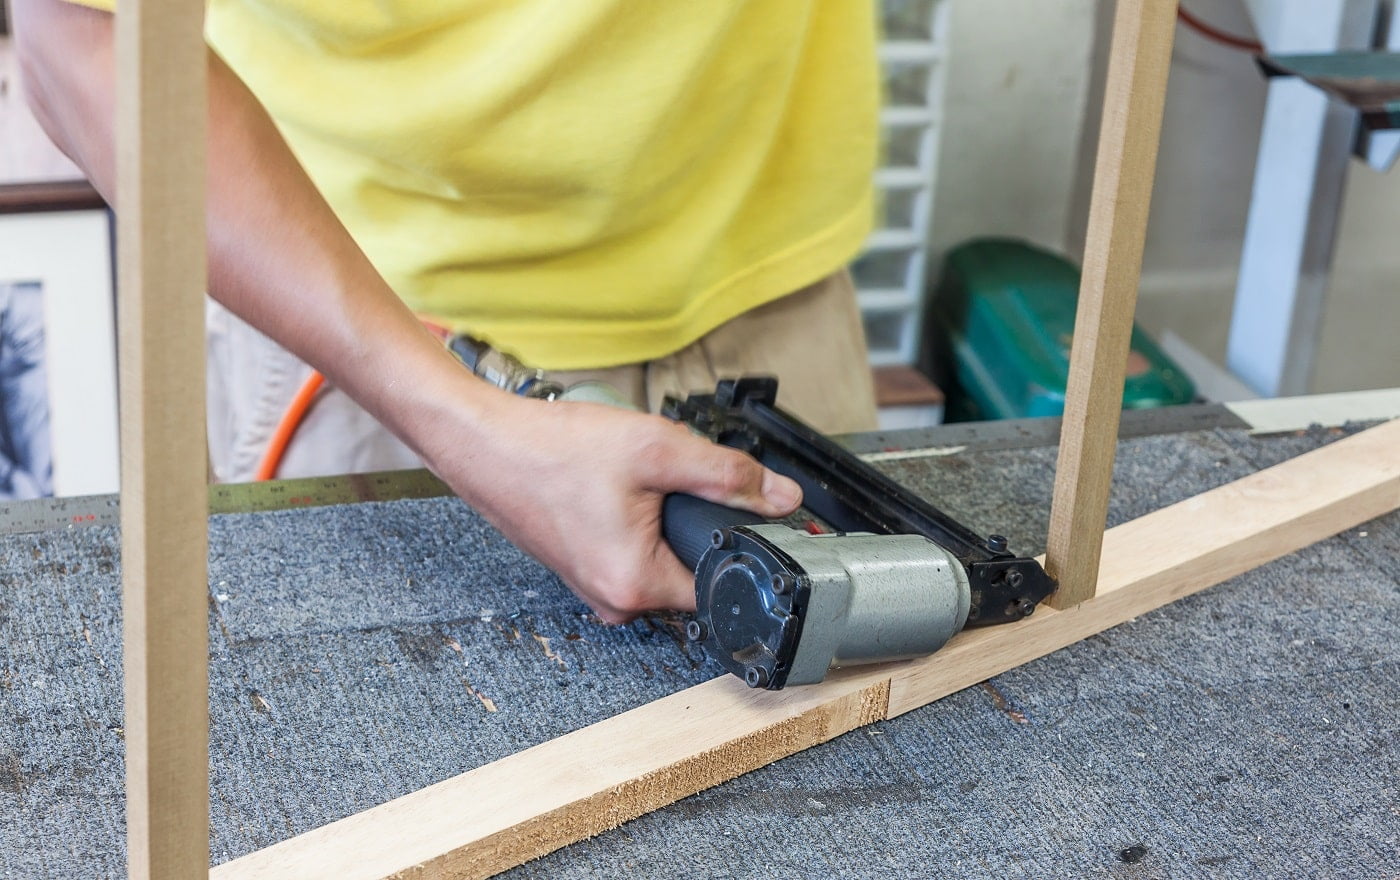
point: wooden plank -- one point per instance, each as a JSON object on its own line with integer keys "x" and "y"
{"x": 903, "y": 385}
{"x": 161, "y": 279}
{"x": 523, "y": 806}
{"x": 1132, "y": 121}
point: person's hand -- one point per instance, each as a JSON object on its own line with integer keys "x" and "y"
{"x": 579, "y": 486}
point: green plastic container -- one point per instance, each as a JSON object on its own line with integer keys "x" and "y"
{"x": 999, "y": 335}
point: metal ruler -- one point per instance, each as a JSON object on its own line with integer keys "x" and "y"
{"x": 45, "y": 514}
{"x": 1031, "y": 433}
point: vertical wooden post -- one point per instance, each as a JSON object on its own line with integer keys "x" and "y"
{"x": 1127, "y": 158}
{"x": 161, "y": 72}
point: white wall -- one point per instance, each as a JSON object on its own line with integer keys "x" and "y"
{"x": 1020, "y": 129}
{"x": 1021, "y": 122}
{"x": 1017, "y": 92}
{"x": 1370, "y": 230}
{"x": 1215, "y": 104}
{"x": 1205, "y": 170}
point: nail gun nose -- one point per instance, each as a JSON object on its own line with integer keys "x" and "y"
{"x": 779, "y": 606}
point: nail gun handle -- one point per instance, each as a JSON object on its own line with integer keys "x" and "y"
{"x": 688, "y": 522}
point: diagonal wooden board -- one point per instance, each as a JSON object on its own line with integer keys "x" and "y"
{"x": 531, "y": 803}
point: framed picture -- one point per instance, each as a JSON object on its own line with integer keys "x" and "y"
{"x": 58, "y": 381}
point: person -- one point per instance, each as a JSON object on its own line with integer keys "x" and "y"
{"x": 653, "y": 194}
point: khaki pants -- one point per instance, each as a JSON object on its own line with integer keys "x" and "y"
{"x": 812, "y": 340}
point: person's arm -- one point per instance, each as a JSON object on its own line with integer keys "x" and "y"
{"x": 578, "y": 486}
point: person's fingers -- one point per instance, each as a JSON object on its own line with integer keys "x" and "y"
{"x": 675, "y": 582}
{"x": 734, "y": 479}
{"x": 781, "y": 492}
{"x": 665, "y": 584}
{"x": 685, "y": 463}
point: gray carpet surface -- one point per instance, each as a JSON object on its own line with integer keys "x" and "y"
{"x": 361, "y": 652}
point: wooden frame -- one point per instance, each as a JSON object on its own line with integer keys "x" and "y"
{"x": 160, "y": 59}
{"x": 1134, "y": 96}
{"x": 480, "y": 823}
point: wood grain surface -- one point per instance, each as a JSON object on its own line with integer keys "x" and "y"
{"x": 164, "y": 496}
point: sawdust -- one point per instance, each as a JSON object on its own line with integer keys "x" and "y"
{"x": 549, "y": 654}
{"x": 486, "y": 701}
{"x": 1004, "y": 705}
{"x": 260, "y": 703}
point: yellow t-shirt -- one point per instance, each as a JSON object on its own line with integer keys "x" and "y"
{"x": 580, "y": 182}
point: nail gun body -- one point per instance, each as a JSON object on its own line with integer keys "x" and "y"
{"x": 779, "y": 606}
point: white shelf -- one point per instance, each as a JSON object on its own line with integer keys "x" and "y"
{"x": 892, "y": 303}
{"x": 885, "y": 299}
{"x": 910, "y": 52}
{"x": 908, "y": 115}
{"x": 895, "y": 240}
{"x": 903, "y": 177}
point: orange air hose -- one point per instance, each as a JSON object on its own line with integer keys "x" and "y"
{"x": 287, "y": 427}
{"x": 296, "y": 412}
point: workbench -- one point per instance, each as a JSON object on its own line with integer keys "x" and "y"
{"x": 361, "y": 651}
